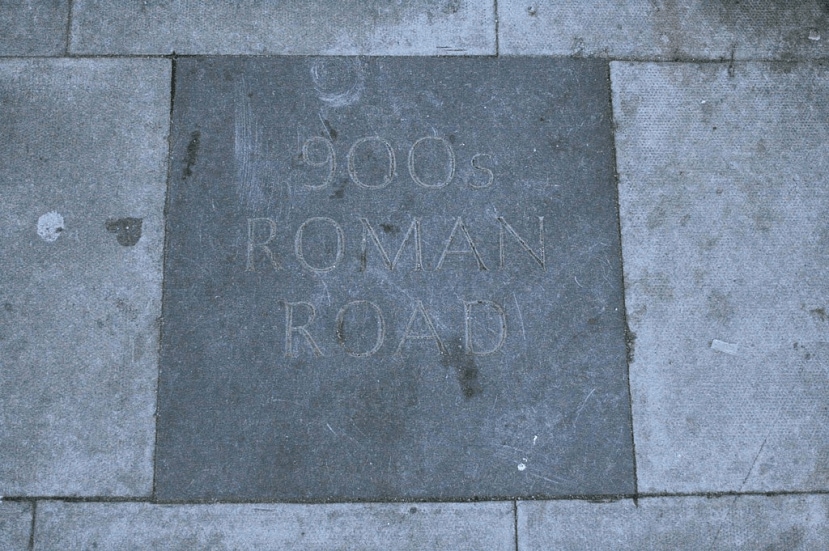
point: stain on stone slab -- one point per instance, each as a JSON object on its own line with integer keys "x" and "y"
{"x": 127, "y": 230}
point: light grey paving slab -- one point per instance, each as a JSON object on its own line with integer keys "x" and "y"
{"x": 347, "y": 27}
{"x": 29, "y": 28}
{"x": 723, "y": 203}
{"x": 126, "y": 526}
{"x": 84, "y": 146}
{"x": 676, "y": 523}
{"x": 15, "y": 525}
{"x": 666, "y": 29}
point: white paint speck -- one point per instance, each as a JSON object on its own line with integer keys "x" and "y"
{"x": 814, "y": 35}
{"x": 521, "y": 466}
{"x": 50, "y": 226}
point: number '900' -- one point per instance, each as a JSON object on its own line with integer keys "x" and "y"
{"x": 318, "y": 152}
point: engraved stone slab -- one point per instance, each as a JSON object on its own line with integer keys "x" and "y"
{"x": 392, "y": 278}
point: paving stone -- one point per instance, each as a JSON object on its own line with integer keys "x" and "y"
{"x": 15, "y": 525}
{"x": 342, "y": 27}
{"x": 84, "y": 148}
{"x": 733, "y": 522}
{"x": 33, "y": 28}
{"x": 666, "y": 29}
{"x": 723, "y": 210}
{"x": 358, "y": 301}
{"x": 344, "y": 526}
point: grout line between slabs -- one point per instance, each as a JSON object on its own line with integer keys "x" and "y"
{"x": 592, "y": 498}
{"x": 164, "y": 250}
{"x": 497, "y": 31}
{"x": 625, "y": 59}
{"x": 32, "y": 527}
{"x": 68, "y": 40}
{"x": 515, "y": 521}
{"x": 629, "y": 336}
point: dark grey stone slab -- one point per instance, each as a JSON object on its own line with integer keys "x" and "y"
{"x": 33, "y": 28}
{"x": 329, "y": 527}
{"x": 361, "y": 298}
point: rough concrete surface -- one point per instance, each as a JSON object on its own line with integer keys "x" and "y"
{"x": 348, "y": 27}
{"x": 381, "y": 527}
{"x": 84, "y": 151}
{"x": 723, "y": 202}
{"x": 666, "y": 29}
{"x": 733, "y": 522}
{"x": 15, "y": 525}
{"x": 30, "y": 28}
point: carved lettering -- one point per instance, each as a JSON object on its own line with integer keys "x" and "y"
{"x": 476, "y": 165}
{"x": 263, "y": 245}
{"x": 298, "y": 249}
{"x": 538, "y": 257}
{"x": 330, "y": 159}
{"x": 381, "y": 328}
{"x": 473, "y": 249}
{"x": 468, "y": 338}
{"x": 368, "y": 231}
{"x": 451, "y": 156}
{"x": 352, "y": 169}
{"x": 420, "y": 311}
{"x": 290, "y": 329}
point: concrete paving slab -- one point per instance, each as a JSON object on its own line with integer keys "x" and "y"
{"x": 381, "y": 527}
{"x": 33, "y": 28}
{"x": 372, "y": 317}
{"x": 83, "y": 183}
{"x": 343, "y": 27}
{"x": 666, "y": 29}
{"x": 723, "y": 202}
{"x": 15, "y": 525}
{"x": 675, "y": 523}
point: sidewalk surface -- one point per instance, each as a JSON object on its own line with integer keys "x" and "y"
{"x": 719, "y": 119}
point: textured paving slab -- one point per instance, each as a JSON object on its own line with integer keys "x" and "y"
{"x": 83, "y": 180}
{"x": 392, "y": 278}
{"x": 371, "y": 526}
{"x": 15, "y": 525}
{"x": 692, "y": 523}
{"x": 33, "y": 28}
{"x": 723, "y": 205}
{"x": 351, "y": 27}
{"x": 666, "y": 29}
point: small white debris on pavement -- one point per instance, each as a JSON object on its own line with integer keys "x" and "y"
{"x": 50, "y": 226}
{"x": 724, "y": 347}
